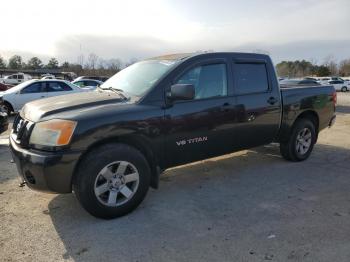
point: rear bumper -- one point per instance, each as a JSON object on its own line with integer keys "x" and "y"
{"x": 45, "y": 171}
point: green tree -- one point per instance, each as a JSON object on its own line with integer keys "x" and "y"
{"x": 323, "y": 71}
{"x": 2, "y": 62}
{"x": 65, "y": 65}
{"x": 52, "y": 64}
{"x": 15, "y": 62}
{"x": 344, "y": 67}
{"x": 34, "y": 63}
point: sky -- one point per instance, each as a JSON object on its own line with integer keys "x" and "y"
{"x": 286, "y": 29}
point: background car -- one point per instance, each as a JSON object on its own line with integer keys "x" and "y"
{"x": 340, "y": 85}
{"x": 3, "y": 87}
{"x": 15, "y": 98}
{"x": 100, "y": 78}
{"x": 48, "y": 76}
{"x": 15, "y": 79}
{"x": 87, "y": 83}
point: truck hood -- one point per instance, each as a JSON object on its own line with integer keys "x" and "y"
{"x": 36, "y": 110}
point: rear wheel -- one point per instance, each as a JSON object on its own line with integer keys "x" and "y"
{"x": 112, "y": 181}
{"x": 301, "y": 141}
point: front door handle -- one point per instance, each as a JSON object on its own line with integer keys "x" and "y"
{"x": 225, "y": 107}
{"x": 272, "y": 100}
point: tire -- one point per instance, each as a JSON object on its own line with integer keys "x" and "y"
{"x": 101, "y": 189}
{"x": 295, "y": 149}
{"x": 8, "y": 108}
{"x": 344, "y": 89}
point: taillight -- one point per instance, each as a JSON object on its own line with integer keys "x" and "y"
{"x": 334, "y": 98}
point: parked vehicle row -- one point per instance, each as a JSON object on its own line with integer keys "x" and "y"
{"x": 338, "y": 83}
{"x": 111, "y": 145}
{"x": 15, "y": 98}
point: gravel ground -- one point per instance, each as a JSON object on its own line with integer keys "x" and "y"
{"x": 247, "y": 206}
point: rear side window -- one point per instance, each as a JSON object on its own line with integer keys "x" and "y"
{"x": 57, "y": 87}
{"x": 91, "y": 83}
{"x": 20, "y": 76}
{"x": 250, "y": 78}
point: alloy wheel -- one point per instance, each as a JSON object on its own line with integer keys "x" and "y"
{"x": 116, "y": 183}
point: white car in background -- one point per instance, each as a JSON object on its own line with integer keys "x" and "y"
{"x": 340, "y": 85}
{"x": 15, "y": 98}
{"x": 91, "y": 84}
{"x": 15, "y": 79}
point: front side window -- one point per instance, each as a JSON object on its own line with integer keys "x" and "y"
{"x": 250, "y": 78}
{"x": 208, "y": 80}
{"x": 33, "y": 88}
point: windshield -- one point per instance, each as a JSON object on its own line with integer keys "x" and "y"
{"x": 139, "y": 77}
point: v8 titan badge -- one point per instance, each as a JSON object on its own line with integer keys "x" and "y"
{"x": 192, "y": 140}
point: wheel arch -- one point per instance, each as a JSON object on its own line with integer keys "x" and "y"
{"x": 137, "y": 142}
{"x": 311, "y": 115}
{"x": 307, "y": 114}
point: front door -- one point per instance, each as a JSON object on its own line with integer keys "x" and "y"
{"x": 200, "y": 128}
{"x": 29, "y": 93}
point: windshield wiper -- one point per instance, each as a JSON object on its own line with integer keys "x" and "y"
{"x": 115, "y": 90}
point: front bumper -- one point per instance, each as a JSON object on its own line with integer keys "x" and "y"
{"x": 45, "y": 171}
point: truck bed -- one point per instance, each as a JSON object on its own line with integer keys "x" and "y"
{"x": 300, "y": 99}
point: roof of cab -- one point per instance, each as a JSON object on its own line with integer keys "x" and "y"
{"x": 183, "y": 56}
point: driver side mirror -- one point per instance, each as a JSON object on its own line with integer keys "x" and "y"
{"x": 181, "y": 92}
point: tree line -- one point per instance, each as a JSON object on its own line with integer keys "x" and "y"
{"x": 308, "y": 68}
{"x": 92, "y": 65}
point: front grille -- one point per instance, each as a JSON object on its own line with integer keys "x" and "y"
{"x": 21, "y": 130}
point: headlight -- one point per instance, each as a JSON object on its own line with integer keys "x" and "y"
{"x": 54, "y": 132}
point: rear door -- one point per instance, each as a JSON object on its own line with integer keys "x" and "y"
{"x": 258, "y": 102}
{"x": 20, "y": 78}
{"x": 29, "y": 93}
{"x": 202, "y": 127}
{"x": 57, "y": 88}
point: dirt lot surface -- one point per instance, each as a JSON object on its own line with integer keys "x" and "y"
{"x": 247, "y": 206}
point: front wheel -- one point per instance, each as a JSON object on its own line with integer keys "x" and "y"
{"x": 301, "y": 141}
{"x": 112, "y": 180}
{"x": 7, "y": 108}
{"x": 344, "y": 89}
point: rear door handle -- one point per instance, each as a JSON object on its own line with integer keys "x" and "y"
{"x": 272, "y": 100}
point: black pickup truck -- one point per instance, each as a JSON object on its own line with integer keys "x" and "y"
{"x": 110, "y": 145}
